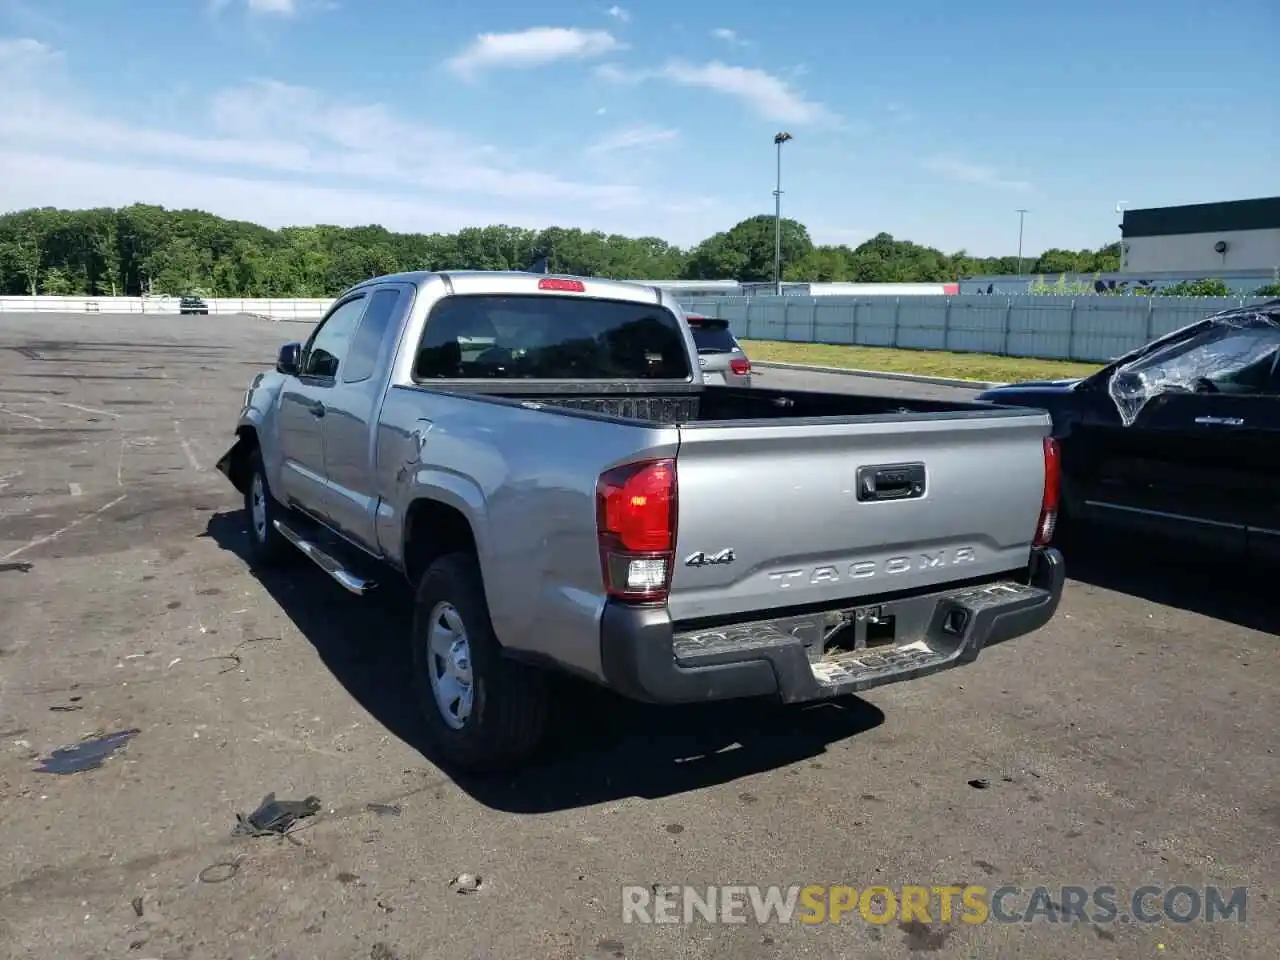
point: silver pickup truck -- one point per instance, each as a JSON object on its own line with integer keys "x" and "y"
{"x": 540, "y": 458}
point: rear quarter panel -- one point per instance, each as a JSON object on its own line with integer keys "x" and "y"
{"x": 525, "y": 479}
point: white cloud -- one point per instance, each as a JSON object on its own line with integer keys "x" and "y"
{"x": 729, "y": 36}
{"x": 960, "y": 171}
{"x": 279, "y": 8}
{"x": 72, "y": 183}
{"x": 619, "y": 13}
{"x": 277, "y": 153}
{"x": 534, "y": 47}
{"x": 768, "y": 96}
{"x": 633, "y": 139}
{"x": 22, "y": 53}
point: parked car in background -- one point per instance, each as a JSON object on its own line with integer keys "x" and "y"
{"x": 721, "y": 357}
{"x": 192, "y": 305}
{"x": 1179, "y": 438}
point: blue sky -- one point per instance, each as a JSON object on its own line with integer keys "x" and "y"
{"x": 932, "y": 121}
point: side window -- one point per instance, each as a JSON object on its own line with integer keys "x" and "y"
{"x": 329, "y": 343}
{"x": 368, "y": 339}
{"x": 1226, "y": 361}
{"x": 1238, "y": 358}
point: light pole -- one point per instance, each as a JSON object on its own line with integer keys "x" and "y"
{"x": 1120, "y": 213}
{"x": 1021, "y": 216}
{"x": 779, "y": 140}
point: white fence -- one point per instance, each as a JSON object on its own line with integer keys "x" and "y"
{"x": 1087, "y": 328}
{"x": 295, "y": 309}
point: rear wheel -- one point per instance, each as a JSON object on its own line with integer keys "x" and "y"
{"x": 267, "y": 547}
{"x": 483, "y": 712}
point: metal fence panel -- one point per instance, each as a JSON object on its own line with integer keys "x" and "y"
{"x": 978, "y": 325}
{"x": 1092, "y": 329}
{"x": 836, "y": 321}
{"x": 921, "y": 323}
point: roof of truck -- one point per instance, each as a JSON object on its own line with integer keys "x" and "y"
{"x": 419, "y": 277}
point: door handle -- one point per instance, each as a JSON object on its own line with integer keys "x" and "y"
{"x": 1221, "y": 421}
{"x": 316, "y": 408}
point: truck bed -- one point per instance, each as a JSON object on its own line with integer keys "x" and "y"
{"x": 953, "y": 488}
{"x": 717, "y": 404}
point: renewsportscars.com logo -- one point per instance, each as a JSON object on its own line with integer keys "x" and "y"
{"x": 818, "y": 904}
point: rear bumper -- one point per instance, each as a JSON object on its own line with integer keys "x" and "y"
{"x": 646, "y": 659}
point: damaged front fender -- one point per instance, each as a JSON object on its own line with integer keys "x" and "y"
{"x": 234, "y": 464}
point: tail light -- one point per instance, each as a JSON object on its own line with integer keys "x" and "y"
{"x": 636, "y": 527}
{"x": 1052, "y": 493}
{"x": 741, "y": 366}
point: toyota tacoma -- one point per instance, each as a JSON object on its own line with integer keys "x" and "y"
{"x": 542, "y": 460}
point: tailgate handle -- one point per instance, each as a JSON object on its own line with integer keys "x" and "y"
{"x": 892, "y": 481}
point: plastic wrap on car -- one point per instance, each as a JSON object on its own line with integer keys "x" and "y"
{"x": 1135, "y": 384}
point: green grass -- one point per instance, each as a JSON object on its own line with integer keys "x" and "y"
{"x": 932, "y": 363}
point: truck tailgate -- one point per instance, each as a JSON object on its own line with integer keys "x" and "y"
{"x": 782, "y": 514}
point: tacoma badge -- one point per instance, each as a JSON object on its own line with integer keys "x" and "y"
{"x": 701, "y": 559}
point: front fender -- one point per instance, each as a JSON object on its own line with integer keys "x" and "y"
{"x": 234, "y": 463}
{"x": 253, "y": 430}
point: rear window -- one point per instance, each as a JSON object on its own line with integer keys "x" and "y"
{"x": 712, "y": 336}
{"x": 543, "y": 337}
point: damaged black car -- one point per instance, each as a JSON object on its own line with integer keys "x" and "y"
{"x": 1179, "y": 439}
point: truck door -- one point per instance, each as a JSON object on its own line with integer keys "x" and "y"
{"x": 351, "y": 411}
{"x": 303, "y": 407}
{"x": 1190, "y": 460}
{"x": 1262, "y": 432}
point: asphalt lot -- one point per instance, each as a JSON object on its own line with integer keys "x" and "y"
{"x": 1131, "y": 741}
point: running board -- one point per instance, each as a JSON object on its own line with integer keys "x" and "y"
{"x": 326, "y": 561}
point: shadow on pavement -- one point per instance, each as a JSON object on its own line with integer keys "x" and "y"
{"x": 1175, "y": 576}
{"x": 601, "y": 748}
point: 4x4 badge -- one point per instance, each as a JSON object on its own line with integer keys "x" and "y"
{"x": 701, "y": 559}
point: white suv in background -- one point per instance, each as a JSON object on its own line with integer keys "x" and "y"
{"x": 721, "y": 357}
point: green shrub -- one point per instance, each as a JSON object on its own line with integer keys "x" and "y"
{"x": 1206, "y": 287}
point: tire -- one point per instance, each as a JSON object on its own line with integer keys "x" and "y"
{"x": 503, "y": 723}
{"x": 267, "y": 548}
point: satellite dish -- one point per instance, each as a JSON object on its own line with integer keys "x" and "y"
{"x": 1220, "y": 247}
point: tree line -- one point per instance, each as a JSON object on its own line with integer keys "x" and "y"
{"x": 145, "y": 249}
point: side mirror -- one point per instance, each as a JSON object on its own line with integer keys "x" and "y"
{"x": 290, "y": 359}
